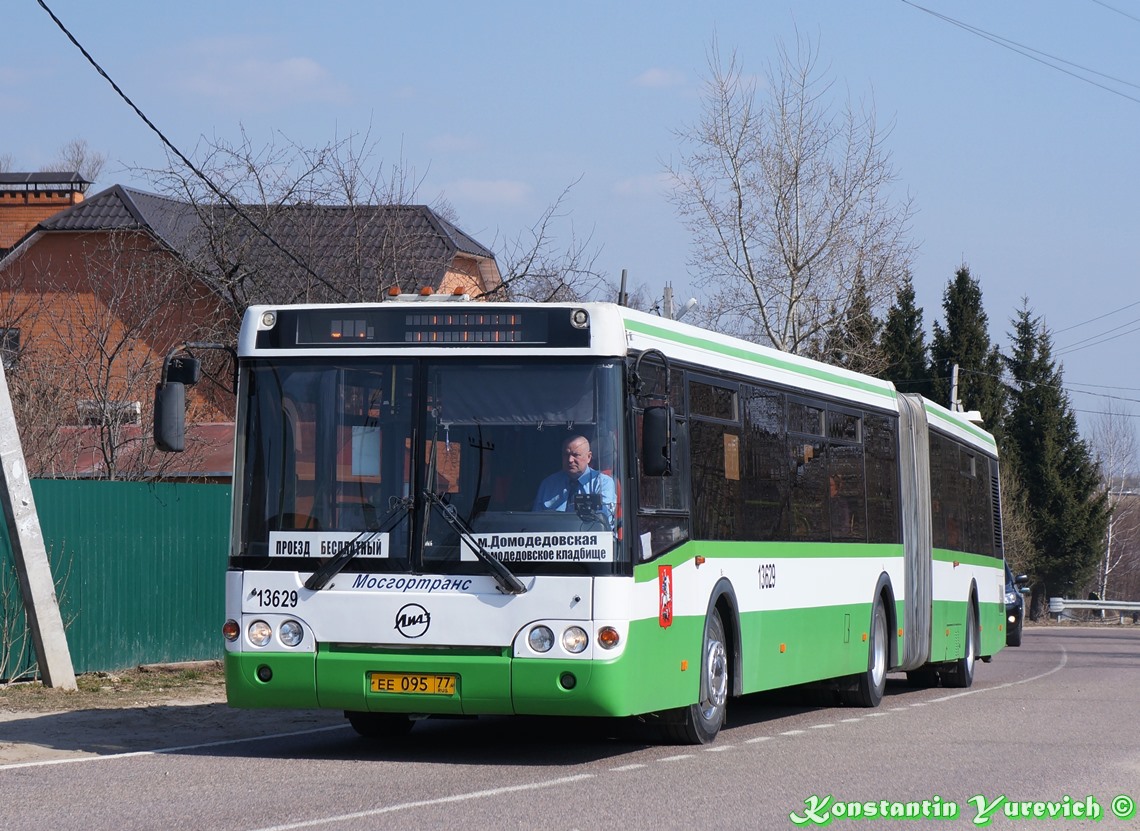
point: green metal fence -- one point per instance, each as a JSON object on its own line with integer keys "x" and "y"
{"x": 139, "y": 572}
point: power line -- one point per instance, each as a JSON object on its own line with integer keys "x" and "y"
{"x": 1032, "y": 54}
{"x": 1098, "y": 317}
{"x": 1077, "y": 347}
{"x": 1118, "y": 11}
{"x": 170, "y": 145}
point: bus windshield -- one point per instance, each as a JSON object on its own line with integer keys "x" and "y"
{"x": 418, "y": 462}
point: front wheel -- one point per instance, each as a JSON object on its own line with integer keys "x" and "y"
{"x": 699, "y": 723}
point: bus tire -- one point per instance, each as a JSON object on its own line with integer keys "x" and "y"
{"x": 700, "y": 722}
{"x": 379, "y": 725}
{"x": 961, "y": 672}
{"x": 867, "y": 688}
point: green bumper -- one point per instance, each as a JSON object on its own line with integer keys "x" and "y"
{"x": 485, "y": 683}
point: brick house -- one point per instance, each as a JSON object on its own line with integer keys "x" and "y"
{"x": 93, "y": 296}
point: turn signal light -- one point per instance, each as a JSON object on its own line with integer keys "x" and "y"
{"x": 608, "y": 637}
{"x": 231, "y": 630}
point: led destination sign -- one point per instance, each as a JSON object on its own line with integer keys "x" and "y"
{"x": 398, "y": 325}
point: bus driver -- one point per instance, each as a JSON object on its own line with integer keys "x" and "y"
{"x": 564, "y": 490}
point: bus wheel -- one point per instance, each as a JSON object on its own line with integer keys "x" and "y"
{"x": 379, "y": 725}
{"x": 961, "y": 673}
{"x": 699, "y": 723}
{"x": 868, "y": 687}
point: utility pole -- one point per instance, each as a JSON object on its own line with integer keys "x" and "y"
{"x": 40, "y": 604}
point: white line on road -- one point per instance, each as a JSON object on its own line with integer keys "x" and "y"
{"x": 71, "y": 760}
{"x": 424, "y": 803}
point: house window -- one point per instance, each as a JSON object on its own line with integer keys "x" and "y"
{"x": 9, "y": 347}
{"x": 97, "y": 413}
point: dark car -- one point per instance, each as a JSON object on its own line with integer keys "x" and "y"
{"x": 1015, "y": 588}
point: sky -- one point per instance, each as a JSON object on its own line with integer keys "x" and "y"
{"x": 1014, "y": 126}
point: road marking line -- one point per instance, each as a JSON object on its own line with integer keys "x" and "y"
{"x": 159, "y": 751}
{"x": 719, "y": 748}
{"x": 1058, "y": 668}
{"x": 791, "y": 732}
{"x": 758, "y": 739}
{"x": 424, "y": 803}
{"x": 676, "y": 758}
{"x": 821, "y": 726}
{"x": 633, "y": 766}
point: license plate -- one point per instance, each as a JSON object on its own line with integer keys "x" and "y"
{"x": 421, "y": 683}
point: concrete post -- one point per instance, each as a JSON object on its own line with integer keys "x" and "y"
{"x": 40, "y": 603}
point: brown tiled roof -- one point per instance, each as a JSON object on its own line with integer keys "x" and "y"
{"x": 346, "y": 247}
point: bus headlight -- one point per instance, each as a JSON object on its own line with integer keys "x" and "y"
{"x": 541, "y": 639}
{"x": 291, "y": 633}
{"x": 575, "y": 639}
{"x": 259, "y": 633}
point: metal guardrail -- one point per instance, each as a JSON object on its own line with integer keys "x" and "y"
{"x": 1058, "y": 606}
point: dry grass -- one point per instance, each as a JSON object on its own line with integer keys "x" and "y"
{"x": 201, "y": 681}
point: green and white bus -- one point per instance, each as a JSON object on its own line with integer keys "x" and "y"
{"x": 765, "y": 521}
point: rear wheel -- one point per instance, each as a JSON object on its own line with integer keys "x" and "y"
{"x": 699, "y": 723}
{"x": 868, "y": 687}
{"x": 379, "y": 725}
{"x": 961, "y": 673}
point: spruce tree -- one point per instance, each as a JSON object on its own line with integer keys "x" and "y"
{"x": 853, "y": 342}
{"x": 903, "y": 344}
{"x": 1068, "y": 507}
{"x": 965, "y": 340}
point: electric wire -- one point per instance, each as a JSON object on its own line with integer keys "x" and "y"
{"x": 1118, "y": 11}
{"x": 1035, "y": 54}
{"x": 170, "y": 145}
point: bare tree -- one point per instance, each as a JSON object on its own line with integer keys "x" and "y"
{"x": 328, "y": 258}
{"x": 282, "y": 191}
{"x": 535, "y": 267}
{"x": 789, "y": 203}
{"x": 83, "y": 377}
{"x": 1017, "y": 535}
{"x": 5, "y": 162}
{"x": 1114, "y": 443}
{"x": 77, "y": 157}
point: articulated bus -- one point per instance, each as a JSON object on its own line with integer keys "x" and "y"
{"x": 447, "y": 508}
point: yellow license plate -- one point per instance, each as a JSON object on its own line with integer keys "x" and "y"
{"x": 421, "y": 683}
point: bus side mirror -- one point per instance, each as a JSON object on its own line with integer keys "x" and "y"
{"x": 184, "y": 370}
{"x": 170, "y": 416}
{"x": 657, "y": 441}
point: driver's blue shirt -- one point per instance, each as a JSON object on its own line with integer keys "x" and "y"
{"x": 555, "y": 493}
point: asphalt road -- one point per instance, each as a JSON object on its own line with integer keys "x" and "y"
{"x": 1051, "y": 727}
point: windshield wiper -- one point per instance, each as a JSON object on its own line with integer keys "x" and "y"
{"x": 508, "y": 583}
{"x": 503, "y": 576}
{"x": 331, "y": 568}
